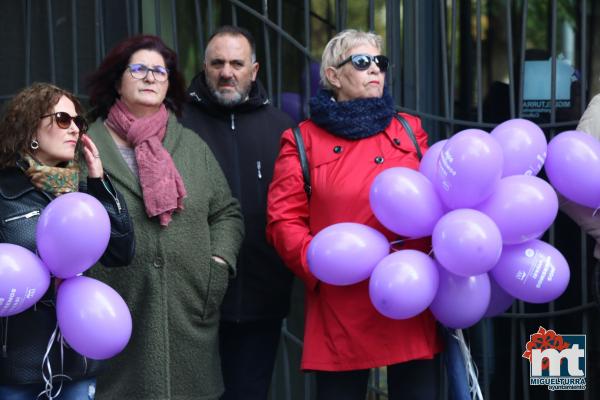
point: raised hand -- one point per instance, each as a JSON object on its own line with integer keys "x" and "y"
{"x": 92, "y": 157}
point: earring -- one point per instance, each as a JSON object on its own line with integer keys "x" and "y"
{"x": 34, "y": 145}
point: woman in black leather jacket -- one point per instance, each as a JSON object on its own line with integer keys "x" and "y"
{"x": 39, "y": 133}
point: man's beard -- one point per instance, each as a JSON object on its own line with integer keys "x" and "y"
{"x": 231, "y": 97}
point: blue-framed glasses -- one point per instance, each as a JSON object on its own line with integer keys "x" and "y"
{"x": 140, "y": 71}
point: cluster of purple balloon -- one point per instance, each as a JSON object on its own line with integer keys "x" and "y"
{"x": 72, "y": 234}
{"x": 477, "y": 196}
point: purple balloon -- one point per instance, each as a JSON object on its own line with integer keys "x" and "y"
{"x": 461, "y": 301}
{"x": 469, "y": 169}
{"x": 315, "y": 77}
{"x": 467, "y": 242}
{"x": 524, "y": 146}
{"x": 291, "y": 103}
{"x": 405, "y": 202}
{"x": 573, "y": 167}
{"x": 346, "y": 253}
{"x": 500, "y": 301}
{"x": 523, "y": 207}
{"x": 429, "y": 162}
{"x": 534, "y": 272}
{"x": 23, "y": 279}
{"x": 72, "y": 234}
{"x": 403, "y": 284}
{"x": 92, "y": 317}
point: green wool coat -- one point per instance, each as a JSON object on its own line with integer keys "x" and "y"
{"x": 173, "y": 287}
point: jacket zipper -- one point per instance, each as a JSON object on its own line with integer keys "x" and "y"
{"x": 195, "y": 96}
{"x": 114, "y": 196}
{"x": 259, "y": 170}
{"x": 118, "y": 204}
{"x": 27, "y": 216}
{"x": 236, "y": 167}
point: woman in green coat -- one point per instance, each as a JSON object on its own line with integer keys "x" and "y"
{"x": 188, "y": 227}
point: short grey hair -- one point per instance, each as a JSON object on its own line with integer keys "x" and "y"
{"x": 340, "y": 44}
{"x": 234, "y": 31}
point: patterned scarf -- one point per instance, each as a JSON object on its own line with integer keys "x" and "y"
{"x": 162, "y": 185}
{"x": 55, "y": 180}
{"x": 352, "y": 119}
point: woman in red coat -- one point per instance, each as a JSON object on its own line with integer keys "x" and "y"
{"x": 351, "y": 137}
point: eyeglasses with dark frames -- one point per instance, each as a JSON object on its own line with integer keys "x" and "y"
{"x": 140, "y": 71}
{"x": 63, "y": 120}
{"x": 362, "y": 62}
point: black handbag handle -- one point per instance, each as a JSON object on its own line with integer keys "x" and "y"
{"x": 410, "y": 134}
{"x": 303, "y": 160}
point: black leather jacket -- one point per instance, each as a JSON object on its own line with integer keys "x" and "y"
{"x": 24, "y": 337}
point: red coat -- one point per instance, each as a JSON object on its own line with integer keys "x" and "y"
{"x": 343, "y": 331}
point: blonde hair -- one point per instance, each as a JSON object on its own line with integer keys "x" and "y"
{"x": 342, "y": 43}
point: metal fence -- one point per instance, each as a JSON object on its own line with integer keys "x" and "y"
{"x": 455, "y": 63}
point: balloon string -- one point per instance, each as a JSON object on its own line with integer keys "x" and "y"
{"x": 47, "y": 366}
{"x": 85, "y": 364}
{"x": 401, "y": 242}
{"x": 469, "y": 365}
{"x": 395, "y": 242}
{"x": 5, "y": 341}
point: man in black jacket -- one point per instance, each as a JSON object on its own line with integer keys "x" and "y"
{"x": 230, "y": 110}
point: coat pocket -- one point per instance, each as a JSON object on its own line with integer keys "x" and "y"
{"x": 218, "y": 280}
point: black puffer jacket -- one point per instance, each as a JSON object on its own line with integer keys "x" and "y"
{"x": 24, "y": 337}
{"x": 245, "y": 141}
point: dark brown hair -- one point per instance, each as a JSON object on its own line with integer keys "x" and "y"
{"x": 21, "y": 118}
{"x": 102, "y": 84}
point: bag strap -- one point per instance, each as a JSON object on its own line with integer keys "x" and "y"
{"x": 303, "y": 160}
{"x": 410, "y": 133}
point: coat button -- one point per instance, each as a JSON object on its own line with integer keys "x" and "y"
{"x": 378, "y": 160}
{"x": 397, "y": 141}
{"x": 158, "y": 262}
{"x": 337, "y": 149}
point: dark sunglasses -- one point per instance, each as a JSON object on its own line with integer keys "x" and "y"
{"x": 362, "y": 62}
{"x": 63, "y": 120}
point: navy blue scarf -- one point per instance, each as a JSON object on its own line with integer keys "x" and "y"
{"x": 352, "y": 119}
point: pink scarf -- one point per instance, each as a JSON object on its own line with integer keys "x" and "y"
{"x": 162, "y": 186}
